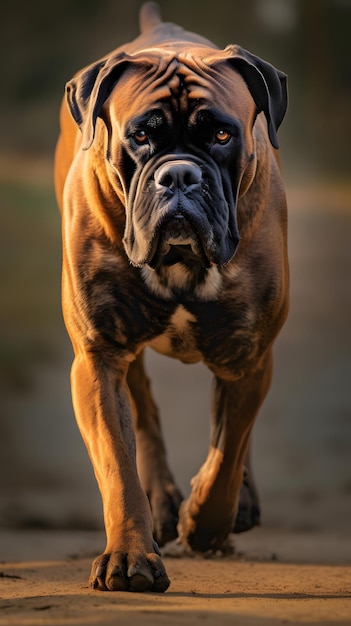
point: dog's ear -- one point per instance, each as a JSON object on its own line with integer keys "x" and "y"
{"x": 267, "y": 85}
{"x": 88, "y": 90}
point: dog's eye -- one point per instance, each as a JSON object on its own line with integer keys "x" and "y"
{"x": 222, "y": 136}
{"x": 141, "y": 137}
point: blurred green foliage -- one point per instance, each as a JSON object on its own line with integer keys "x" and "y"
{"x": 30, "y": 259}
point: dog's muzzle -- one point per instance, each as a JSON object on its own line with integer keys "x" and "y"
{"x": 179, "y": 211}
{"x": 178, "y": 238}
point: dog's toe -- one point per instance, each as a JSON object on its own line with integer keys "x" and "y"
{"x": 98, "y": 573}
{"x": 116, "y": 576}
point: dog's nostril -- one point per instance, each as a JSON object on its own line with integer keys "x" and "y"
{"x": 165, "y": 180}
{"x": 189, "y": 178}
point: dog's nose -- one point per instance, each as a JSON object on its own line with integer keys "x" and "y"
{"x": 182, "y": 175}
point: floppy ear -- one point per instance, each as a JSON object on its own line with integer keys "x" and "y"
{"x": 88, "y": 90}
{"x": 267, "y": 86}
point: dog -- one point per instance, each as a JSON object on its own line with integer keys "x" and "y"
{"x": 174, "y": 237}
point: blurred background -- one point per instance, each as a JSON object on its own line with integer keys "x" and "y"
{"x": 302, "y": 439}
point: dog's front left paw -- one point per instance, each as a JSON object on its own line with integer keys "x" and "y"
{"x": 123, "y": 571}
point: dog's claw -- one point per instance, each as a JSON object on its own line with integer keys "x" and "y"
{"x": 99, "y": 572}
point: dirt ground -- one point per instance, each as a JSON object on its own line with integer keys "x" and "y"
{"x": 274, "y": 577}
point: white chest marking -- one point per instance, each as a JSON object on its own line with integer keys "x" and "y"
{"x": 180, "y": 319}
{"x": 178, "y": 339}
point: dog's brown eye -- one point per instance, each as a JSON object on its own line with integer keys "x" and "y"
{"x": 141, "y": 137}
{"x": 222, "y": 136}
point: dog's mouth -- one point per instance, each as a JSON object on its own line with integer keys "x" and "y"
{"x": 178, "y": 241}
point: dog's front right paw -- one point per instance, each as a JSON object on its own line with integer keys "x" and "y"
{"x": 128, "y": 571}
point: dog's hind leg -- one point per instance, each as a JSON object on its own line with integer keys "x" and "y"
{"x": 155, "y": 475}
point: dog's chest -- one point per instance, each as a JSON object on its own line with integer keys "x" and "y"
{"x": 178, "y": 340}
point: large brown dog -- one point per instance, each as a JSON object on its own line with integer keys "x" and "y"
{"x": 174, "y": 237}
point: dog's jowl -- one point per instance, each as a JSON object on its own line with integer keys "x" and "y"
{"x": 174, "y": 237}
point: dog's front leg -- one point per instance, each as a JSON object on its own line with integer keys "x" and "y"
{"x": 103, "y": 412}
{"x": 155, "y": 475}
{"x": 207, "y": 516}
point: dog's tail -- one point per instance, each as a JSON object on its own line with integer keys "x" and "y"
{"x": 150, "y": 16}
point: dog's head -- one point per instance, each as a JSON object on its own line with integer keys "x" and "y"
{"x": 179, "y": 140}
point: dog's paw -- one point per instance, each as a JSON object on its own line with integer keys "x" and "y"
{"x": 122, "y": 571}
{"x": 248, "y": 514}
{"x": 165, "y": 504}
{"x": 199, "y": 529}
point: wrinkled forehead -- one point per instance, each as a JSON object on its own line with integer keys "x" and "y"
{"x": 180, "y": 81}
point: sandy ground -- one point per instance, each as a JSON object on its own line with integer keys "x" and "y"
{"x": 274, "y": 577}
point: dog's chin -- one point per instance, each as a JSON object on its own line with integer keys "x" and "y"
{"x": 178, "y": 242}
